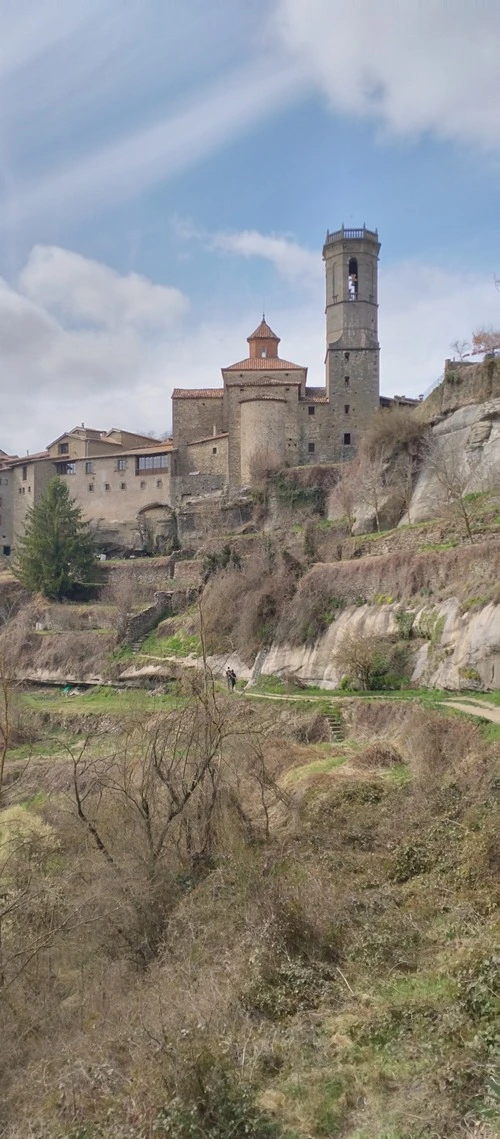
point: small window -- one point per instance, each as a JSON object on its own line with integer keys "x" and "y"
{"x": 6, "y": 551}
{"x": 91, "y": 486}
{"x": 264, "y": 353}
{"x": 311, "y": 410}
{"x": 346, "y": 355}
{"x": 20, "y": 490}
{"x": 89, "y": 467}
{"x": 63, "y": 449}
{"x": 346, "y": 381}
{"x": 347, "y": 438}
{"x": 123, "y": 486}
{"x": 346, "y": 409}
{"x": 214, "y": 450}
{"x": 143, "y": 484}
{"x": 25, "y": 474}
{"x": 159, "y": 483}
{"x": 29, "y": 490}
{"x": 310, "y": 448}
{"x": 107, "y": 486}
{"x": 24, "y": 490}
{"x": 121, "y": 465}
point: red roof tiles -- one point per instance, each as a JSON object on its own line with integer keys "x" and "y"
{"x": 263, "y": 332}
{"x": 263, "y": 363}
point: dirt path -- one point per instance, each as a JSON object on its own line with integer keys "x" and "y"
{"x": 475, "y": 708}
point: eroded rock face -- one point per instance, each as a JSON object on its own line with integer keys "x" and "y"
{"x": 474, "y": 431}
{"x": 153, "y": 531}
{"x": 464, "y": 647}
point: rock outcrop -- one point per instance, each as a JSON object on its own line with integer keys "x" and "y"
{"x": 460, "y": 649}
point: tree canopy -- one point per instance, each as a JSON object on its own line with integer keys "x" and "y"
{"x": 57, "y": 551}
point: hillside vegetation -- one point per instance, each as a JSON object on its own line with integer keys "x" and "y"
{"x": 273, "y": 913}
{"x": 212, "y": 927}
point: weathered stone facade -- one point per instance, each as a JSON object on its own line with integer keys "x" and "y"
{"x": 265, "y": 409}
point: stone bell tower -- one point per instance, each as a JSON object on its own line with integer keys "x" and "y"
{"x": 352, "y": 347}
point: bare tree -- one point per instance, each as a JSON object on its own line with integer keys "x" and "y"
{"x": 121, "y": 594}
{"x": 453, "y": 470}
{"x": 372, "y": 483}
{"x": 461, "y": 348}
{"x": 361, "y": 657}
{"x": 263, "y": 463}
{"x": 152, "y": 809}
{"x": 485, "y": 340}
{"x": 346, "y": 493}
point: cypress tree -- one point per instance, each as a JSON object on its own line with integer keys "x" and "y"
{"x": 57, "y": 551}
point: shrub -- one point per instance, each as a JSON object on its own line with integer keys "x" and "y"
{"x": 220, "y": 560}
{"x": 213, "y": 1102}
{"x": 363, "y": 657}
{"x": 392, "y": 430}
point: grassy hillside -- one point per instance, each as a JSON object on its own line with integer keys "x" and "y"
{"x": 217, "y": 923}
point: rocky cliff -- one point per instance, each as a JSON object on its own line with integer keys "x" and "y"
{"x": 454, "y": 650}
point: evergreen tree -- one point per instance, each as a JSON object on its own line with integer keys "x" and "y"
{"x": 57, "y": 551}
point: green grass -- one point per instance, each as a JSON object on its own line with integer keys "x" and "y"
{"x": 179, "y": 644}
{"x": 98, "y": 701}
{"x": 317, "y": 766}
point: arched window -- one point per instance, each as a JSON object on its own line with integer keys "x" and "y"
{"x": 352, "y": 279}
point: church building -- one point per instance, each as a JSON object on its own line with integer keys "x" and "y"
{"x": 265, "y": 413}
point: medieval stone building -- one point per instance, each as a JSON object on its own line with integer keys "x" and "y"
{"x": 265, "y": 408}
{"x": 264, "y": 412}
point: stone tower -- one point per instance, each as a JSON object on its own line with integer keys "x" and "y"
{"x": 352, "y": 347}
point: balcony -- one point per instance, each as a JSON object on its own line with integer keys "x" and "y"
{"x": 351, "y": 235}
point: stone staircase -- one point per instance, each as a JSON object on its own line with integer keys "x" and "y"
{"x": 337, "y": 730}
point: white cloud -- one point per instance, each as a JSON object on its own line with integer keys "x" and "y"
{"x": 291, "y": 260}
{"x": 156, "y": 152}
{"x": 97, "y": 105}
{"x": 414, "y": 65}
{"x": 82, "y": 342}
{"x": 81, "y": 289}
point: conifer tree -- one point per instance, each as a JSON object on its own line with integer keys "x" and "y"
{"x": 57, "y": 551}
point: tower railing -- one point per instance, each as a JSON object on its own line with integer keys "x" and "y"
{"x": 350, "y": 235}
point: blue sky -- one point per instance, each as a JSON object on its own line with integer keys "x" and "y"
{"x": 169, "y": 167}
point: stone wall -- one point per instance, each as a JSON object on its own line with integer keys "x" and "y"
{"x": 195, "y": 418}
{"x": 193, "y": 486}
{"x": 164, "y": 603}
{"x": 209, "y": 456}
{"x": 464, "y": 383}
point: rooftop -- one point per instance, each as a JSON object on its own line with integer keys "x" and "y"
{"x": 263, "y": 364}
{"x": 263, "y": 332}
{"x": 197, "y": 393}
{"x": 344, "y": 234}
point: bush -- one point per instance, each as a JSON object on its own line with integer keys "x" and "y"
{"x": 227, "y": 558}
{"x": 213, "y": 1102}
{"x": 393, "y": 430}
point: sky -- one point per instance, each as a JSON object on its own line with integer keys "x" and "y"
{"x": 169, "y": 169}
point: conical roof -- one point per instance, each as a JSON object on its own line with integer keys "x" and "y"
{"x": 263, "y": 332}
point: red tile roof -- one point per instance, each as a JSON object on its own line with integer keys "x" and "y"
{"x": 265, "y": 382}
{"x": 263, "y": 364}
{"x": 197, "y": 393}
{"x": 263, "y": 332}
